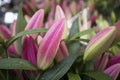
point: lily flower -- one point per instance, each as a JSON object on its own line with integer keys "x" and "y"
{"x": 49, "y": 45}
{"x": 101, "y": 62}
{"x": 60, "y": 15}
{"x": 6, "y": 34}
{"x": 100, "y": 43}
{"x": 114, "y": 60}
{"x": 113, "y": 71}
{"x": 36, "y": 22}
{"x": 29, "y": 50}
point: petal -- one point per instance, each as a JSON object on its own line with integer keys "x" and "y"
{"x": 113, "y": 71}
{"x": 115, "y": 59}
{"x": 49, "y": 45}
{"x": 36, "y": 21}
{"x": 29, "y": 50}
{"x": 99, "y": 43}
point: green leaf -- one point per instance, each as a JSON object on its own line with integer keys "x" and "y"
{"x": 21, "y": 23}
{"x": 10, "y": 41}
{"x": 74, "y": 29}
{"x": 20, "y": 26}
{"x": 72, "y": 76}
{"x": 16, "y": 63}
{"x": 60, "y": 70}
{"x": 79, "y": 34}
{"x": 98, "y": 75}
{"x": 74, "y": 45}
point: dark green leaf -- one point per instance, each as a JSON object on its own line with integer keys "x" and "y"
{"x": 20, "y": 26}
{"x": 10, "y": 41}
{"x": 74, "y": 45}
{"x": 79, "y": 34}
{"x": 72, "y": 76}
{"x": 15, "y": 63}
{"x": 60, "y": 70}
{"x": 98, "y": 75}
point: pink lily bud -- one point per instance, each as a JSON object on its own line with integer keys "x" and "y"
{"x": 114, "y": 60}
{"x": 29, "y": 50}
{"x": 4, "y": 32}
{"x": 62, "y": 52}
{"x": 113, "y": 71}
{"x": 99, "y": 43}
{"x": 101, "y": 62}
{"x": 60, "y": 15}
{"x": 36, "y": 21}
{"x": 49, "y": 45}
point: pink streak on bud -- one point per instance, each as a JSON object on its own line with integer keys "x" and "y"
{"x": 101, "y": 62}
{"x": 36, "y": 21}
{"x": 29, "y": 50}
{"x": 49, "y": 45}
{"x": 98, "y": 36}
{"x": 114, "y": 60}
{"x": 4, "y": 32}
{"x": 113, "y": 71}
{"x": 62, "y": 52}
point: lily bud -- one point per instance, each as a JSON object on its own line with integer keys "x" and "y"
{"x": 99, "y": 43}
{"x": 114, "y": 60}
{"x": 62, "y": 52}
{"x": 49, "y": 45}
{"x": 113, "y": 71}
{"x": 101, "y": 62}
{"x": 29, "y": 50}
{"x": 36, "y": 21}
{"x": 4, "y": 32}
{"x": 60, "y": 15}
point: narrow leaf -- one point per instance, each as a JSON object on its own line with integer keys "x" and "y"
{"x": 74, "y": 45}
{"x": 79, "y": 34}
{"x": 10, "y": 41}
{"x": 98, "y": 75}
{"x": 72, "y": 76}
{"x": 74, "y": 29}
{"x": 20, "y": 26}
{"x": 15, "y": 63}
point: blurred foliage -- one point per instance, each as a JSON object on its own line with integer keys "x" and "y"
{"x": 108, "y": 8}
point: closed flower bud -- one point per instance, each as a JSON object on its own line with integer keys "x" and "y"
{"x": 29, "y": 50}
{"x": 113, "y": 71}
{"x": 100, "y": 43}
{"x": 49, "y": 45}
